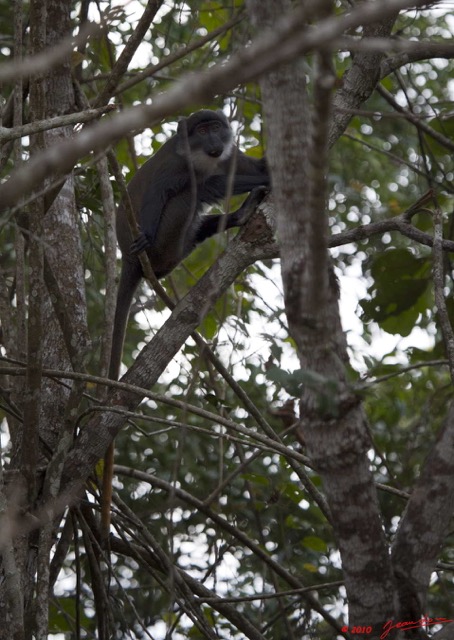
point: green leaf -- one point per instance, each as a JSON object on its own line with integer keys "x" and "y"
{"x": 397, "y": 294}
{"x": 308, "y": 566}
{"x": 314, "y": 543}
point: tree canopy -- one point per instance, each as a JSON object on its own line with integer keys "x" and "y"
{"x": 278, "y": 474}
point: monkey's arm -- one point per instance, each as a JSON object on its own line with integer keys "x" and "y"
{"x": 212, "y": 224}
{"x": 249, "y": 174}
{"x": 246, "y": 165}
{"x": 217, "y": 187}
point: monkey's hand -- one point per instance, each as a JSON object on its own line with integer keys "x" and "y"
{"x": 140, "y": 244}
{"x": 248, "y": 207}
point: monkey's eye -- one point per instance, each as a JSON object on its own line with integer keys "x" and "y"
{"x": 202, "y": 130}
{"x": 216, "y": 126}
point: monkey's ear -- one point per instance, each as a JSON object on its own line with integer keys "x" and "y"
{"x": 222, "y": 116}
{"x": 181, "y": 125}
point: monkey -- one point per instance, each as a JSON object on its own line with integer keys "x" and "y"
{"x": 196, "y": 167}
{"x": 168, "y": 194}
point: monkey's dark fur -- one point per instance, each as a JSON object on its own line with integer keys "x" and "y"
{"x": 198, "y": 166}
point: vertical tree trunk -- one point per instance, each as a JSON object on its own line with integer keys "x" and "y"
{"x": 332, "y": 419}
{"x": 54, "y": 266}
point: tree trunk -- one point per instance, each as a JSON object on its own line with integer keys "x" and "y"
{"x": 333, "y": 422}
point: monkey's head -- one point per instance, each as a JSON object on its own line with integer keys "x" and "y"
{"x": 206, "y": 137}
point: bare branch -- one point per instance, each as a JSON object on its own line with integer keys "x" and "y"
{"x": 317, "y": 157}
{"x": 110, "y": 259}
{"x": 180, "y": 53}
{"x": 439, "y": 285}
{"x": 360, "y": 80}
{"x": 52, "y": 123}
{"x": 126, "y": 55}
{"x": 276, "y": 567}
{"x": 407, "y": 48}
{"x": 419, "y": 124}
{"x": 12, "y": 580}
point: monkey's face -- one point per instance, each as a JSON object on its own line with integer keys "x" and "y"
{"x": 206, "y": 138}
{"x": 212, "y": 137}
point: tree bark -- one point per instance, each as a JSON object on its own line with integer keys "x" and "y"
{"x": 332, "y": 419}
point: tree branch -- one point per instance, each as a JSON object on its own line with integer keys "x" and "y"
{"x": 52, "y": 123}
{"x": 236, "y": 533}
{"x": 129, "y": 50}
{"x": 425, "y": 523}
{"x": 252, "y": 243}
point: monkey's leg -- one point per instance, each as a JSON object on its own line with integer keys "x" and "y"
{"x": 212, "y": 224}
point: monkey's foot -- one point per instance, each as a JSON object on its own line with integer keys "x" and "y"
{"x": 140, "y": 244}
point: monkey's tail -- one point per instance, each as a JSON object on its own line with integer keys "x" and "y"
{"x": 131, "y": 273}
{"x": 129, "y": 279}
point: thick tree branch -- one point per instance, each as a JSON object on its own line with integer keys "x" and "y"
{"x": 423, "y": 52}
{"x": 425, "y": 524}
{"x": 252, "y": 243}
{"x": 408, "y": 49}
{"x": 360, "y": 80}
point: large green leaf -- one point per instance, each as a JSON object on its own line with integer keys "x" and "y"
{"x": 397, "y": 293}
